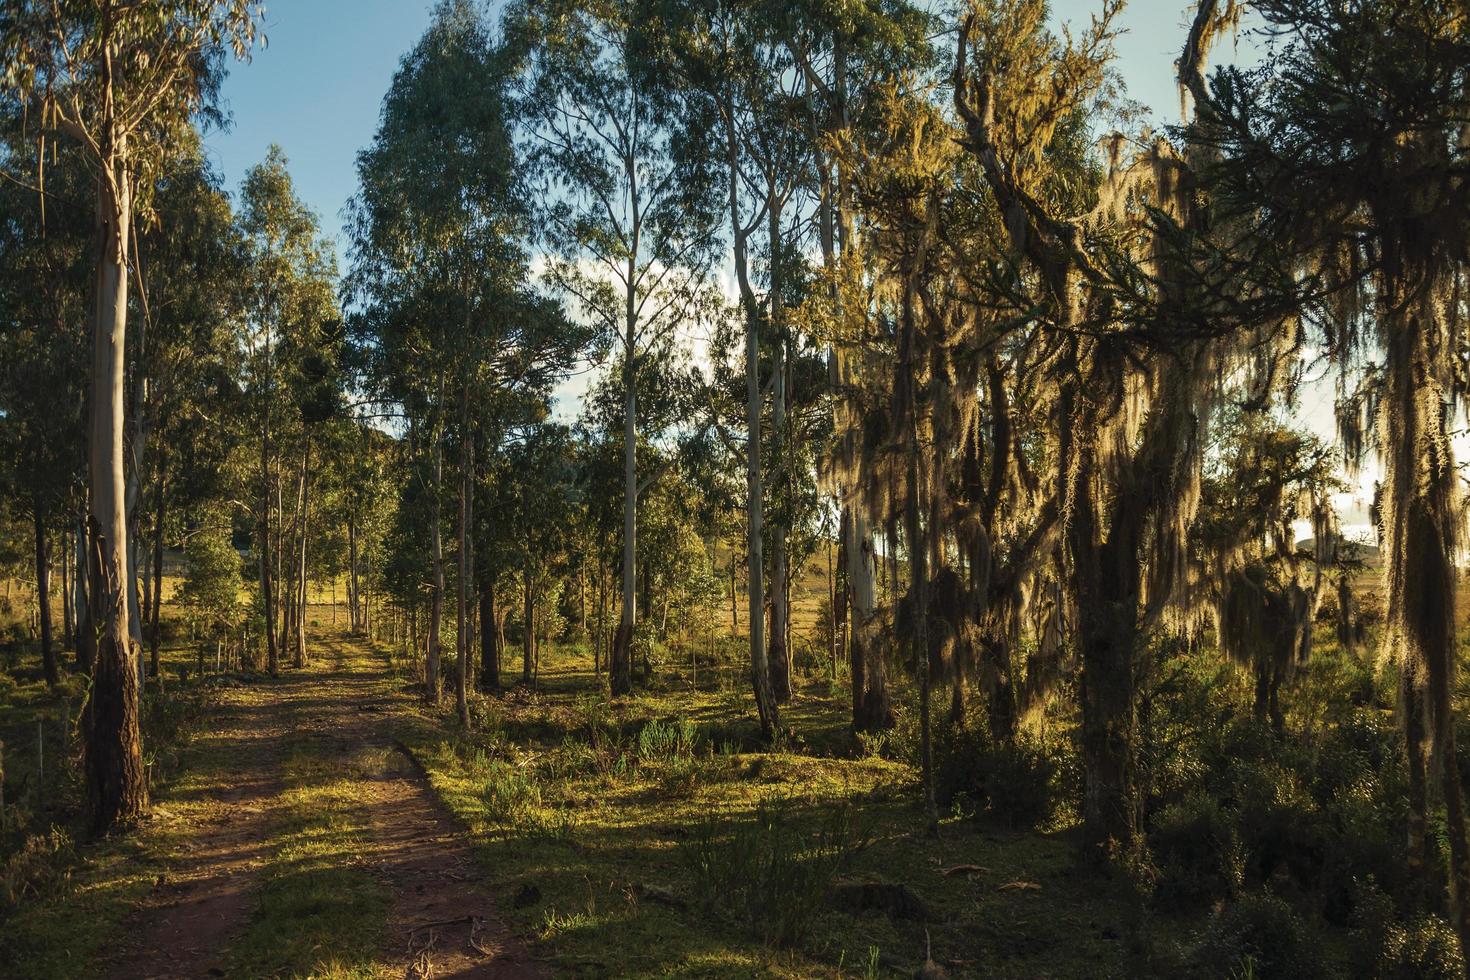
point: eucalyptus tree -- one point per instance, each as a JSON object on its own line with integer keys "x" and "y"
{"x": 440, "y": 264}
{"x": 289, "y": 310}
{"x": 849, "y": 58}
{"x": 735, "y": 74}
{"x": 123, "y": 80}
{"x": 188, "y": 265}
{"x": 44, "y": 251}
{"x": 629, "y": 215}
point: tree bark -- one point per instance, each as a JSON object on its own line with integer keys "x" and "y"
{"x": 779, "y": 650}
{"x": 303, "y": 521}
{"x": 354, "y": 617}
{"x": 528, "y": 640}
{"x": 620, "y": 660}
{"x": 86, "y": 635}
{"x": 489, "y": 640}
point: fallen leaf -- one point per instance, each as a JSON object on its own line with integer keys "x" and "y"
{"x": 1019, "y": 886}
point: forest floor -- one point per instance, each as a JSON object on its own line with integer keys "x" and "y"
{"x": 331, "y": 823}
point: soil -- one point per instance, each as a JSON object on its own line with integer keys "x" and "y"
{"x": 441, "y": 921}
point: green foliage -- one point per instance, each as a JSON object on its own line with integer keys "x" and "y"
{"x": 1423, "y": 949}
{"x": 668, "y": 741}
{"x": 1258, "y": 936}
{"x": 771, "y": 869}
{"x": 510, "y": 792}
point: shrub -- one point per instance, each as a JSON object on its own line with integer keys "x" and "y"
{"x": 1426, "y": 949}
{"x": 1017, "y": 784}
{"x": 769, "y": 871}
{"x": 1197, "y": 853}
{"x": 1260, "y": 936}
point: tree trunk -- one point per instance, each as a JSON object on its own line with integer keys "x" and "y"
{"x": 265, "y": 549}
{"x": 43, "y": 597}
{"x": 489, "y": 639}
{"x": 463, "y": 639}
{"x": 620, "y": 660}
{"x": 1421, "y": 517}
{"x": 68, "y": 622}
{"x": 155, "y": 631}
{"x": 303, "y": 509}
{"x": 779, "y": 649}
{"x": 81, "y": 596}
{"x": 354, "y": 618}
{"x": 528, "y": 640}
{"x": 436, "y": 595}
{"x": 117, "y": 789}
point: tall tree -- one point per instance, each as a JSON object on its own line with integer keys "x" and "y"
{"x": 629, "y": 221}
{"x": 122, "y": 80}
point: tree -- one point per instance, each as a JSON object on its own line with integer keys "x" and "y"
{"x": 440, "y": 267}
{"x": 287, "y": 332}
{"x": 1347, "y": 153}
{"x": 122, "y": 80}
{"x": 629, "y": 220}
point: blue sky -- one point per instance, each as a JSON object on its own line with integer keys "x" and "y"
{"x": 316, "y": 87}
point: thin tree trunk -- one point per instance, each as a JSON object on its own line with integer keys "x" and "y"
{"x": 354, "y": 617}
{"x": 489, "y": 639}
{"x": 43, "y": 597}
{"x": 155, "y": 631}
{"x": 620, "y": 660}
{"x": 779, "y": 655}
{"x": 436, "y": 597}
{"x": 68, "y": 623}
{"x": 528, "y": 640}
{"x": 304, "y": 515}
{"x": 86, "y": 653}
{"x": 463, "y": 639}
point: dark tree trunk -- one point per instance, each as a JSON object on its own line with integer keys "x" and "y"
{"x": 82, "y": 600}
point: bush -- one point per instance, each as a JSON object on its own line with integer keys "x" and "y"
{"x": 1016, "y": 784}
{"x": 1197, "y": 854}
{"x": 1259, "y": 936}
{"x": 1426, "y": 949}
{"x": 767, "y": 870}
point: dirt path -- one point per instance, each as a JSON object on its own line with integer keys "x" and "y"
{"x": 219, "y": 828}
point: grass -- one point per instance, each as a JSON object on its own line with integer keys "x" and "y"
{"x": 319, "y": 913}
{"x": 633, "y": 786}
